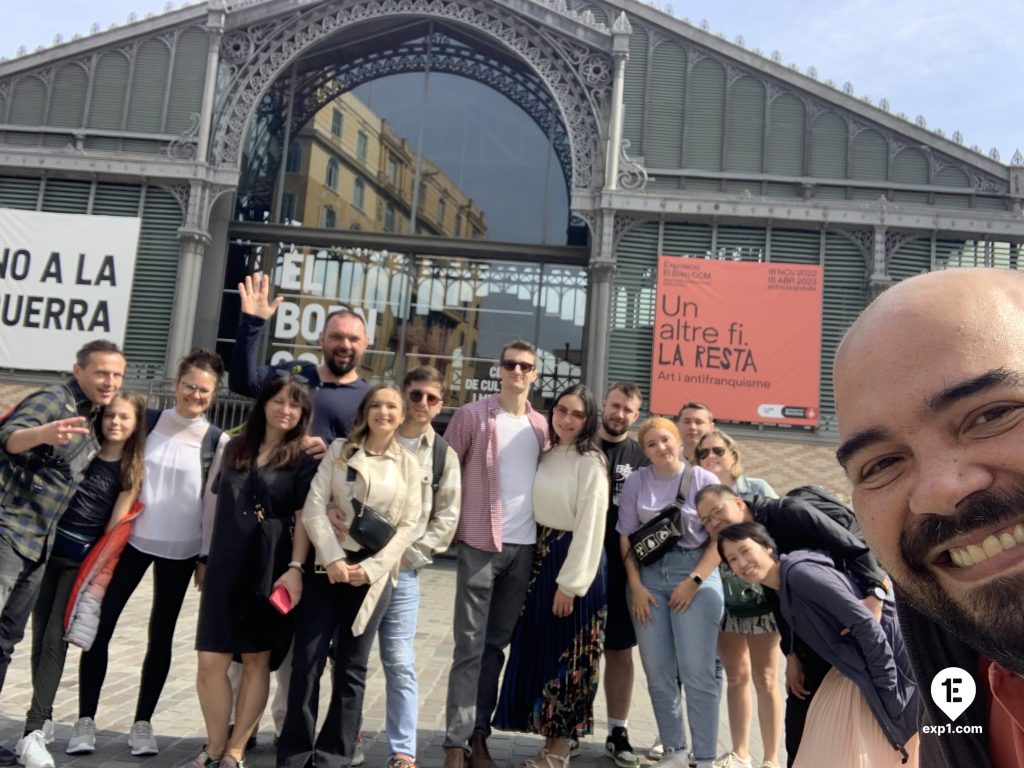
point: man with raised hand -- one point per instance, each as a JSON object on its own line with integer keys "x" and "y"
{"x": 335, "y": 382}
{"x": 48, "y": 440}
{"x": 929, "y": 385}
{"x": 498, "y": 440}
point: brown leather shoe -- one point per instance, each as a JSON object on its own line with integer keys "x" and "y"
{"x": 454, "y": 757}
{"x": 479, "y": 756}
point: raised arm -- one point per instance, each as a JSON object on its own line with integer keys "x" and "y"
{"x": 245, "y": 375}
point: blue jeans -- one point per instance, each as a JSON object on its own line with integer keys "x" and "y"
{"x": 20, "y": 580}
{"x": 395, "y": 637}
{"x": 690, "y": 640}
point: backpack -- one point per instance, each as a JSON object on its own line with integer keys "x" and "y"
{"x": 440, "y": 454}
{"x": 207, "y": 448}
{"x": 827, "y": 504}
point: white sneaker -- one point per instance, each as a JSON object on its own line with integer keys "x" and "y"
{"x": 48, "y": 731}
{"x": 732, "y": 760}
{"x": 83, "y": 737}
{"x": 32, "y": 752}
{"x": 141, "y": 739}
{"x": 657, "y": 751}
{"x": 674, "y": 759}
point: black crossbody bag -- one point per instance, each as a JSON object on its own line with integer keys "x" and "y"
{"x": 370, "y": 529}
{"x": 658, "y": 535}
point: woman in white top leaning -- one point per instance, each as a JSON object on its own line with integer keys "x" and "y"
{"x": 169, "y": 535}
{"x": 552, "y": 674}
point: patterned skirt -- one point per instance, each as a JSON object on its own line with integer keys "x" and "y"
{"x": 553, "y": 669}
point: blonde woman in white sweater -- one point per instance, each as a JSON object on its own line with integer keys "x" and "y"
{"x": 552, "y": 674}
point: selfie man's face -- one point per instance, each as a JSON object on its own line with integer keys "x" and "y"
{"x": 930, "y": 400}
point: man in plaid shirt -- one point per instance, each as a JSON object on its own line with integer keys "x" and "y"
{"x": 48, "y": 441}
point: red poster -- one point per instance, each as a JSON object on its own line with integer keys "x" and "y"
{"x": 743, "y": 338}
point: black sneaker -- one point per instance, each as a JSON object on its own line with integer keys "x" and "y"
{"x": 618, "y": 748}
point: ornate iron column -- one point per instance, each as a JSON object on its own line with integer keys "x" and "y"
{"x": 621, "y": 31}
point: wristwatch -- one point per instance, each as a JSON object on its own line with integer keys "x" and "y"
{"x": 697, "y": 579}
{"x": 877, "y": 592}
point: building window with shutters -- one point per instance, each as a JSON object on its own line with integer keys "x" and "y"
{"x": 362, "y": 145}
{"x": 442, "y": 207}
{"x": 330, "y": 218}
{"x": 389, "y": 218}
{"x": 358, "y": 193}
{"x": 458, "y": 225}
{"x": 336, "y": 118}
{"x": 392, "y": 169}
{"x": 333, "y": 169}
{"x": 288, "y": 207}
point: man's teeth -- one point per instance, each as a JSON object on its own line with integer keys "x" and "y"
{"x": 972, "y": 554}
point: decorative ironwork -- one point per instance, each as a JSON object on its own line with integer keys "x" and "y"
{"x": 623, "y": 223}
{"x": 184, "y": 146}
{"x": 275, "y": 44}
{"x": 1017, "y": 160}
{"x": 632, "y": 174}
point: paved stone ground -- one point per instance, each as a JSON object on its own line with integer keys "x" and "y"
{"x": 178, "y": 722}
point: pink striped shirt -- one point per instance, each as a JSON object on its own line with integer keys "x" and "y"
{"x": 473, "y": 435}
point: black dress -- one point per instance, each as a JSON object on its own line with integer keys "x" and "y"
{"x": 247, "y": 555}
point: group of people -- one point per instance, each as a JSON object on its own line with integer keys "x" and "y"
{"x": 306, "y": 532}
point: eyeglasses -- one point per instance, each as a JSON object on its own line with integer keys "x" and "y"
{"x": 562, "y": 411}
{"x": 718, "y": 450}
{"x": 713, "y": 512}
{"x": 511, "y": 365}
{"x": 281, "y": 373}
{"x": 418, "y": 395}
{"x": 195, "y": 389}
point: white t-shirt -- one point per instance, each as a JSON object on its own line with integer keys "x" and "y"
{"x": 171, "y": 525}
{"x": 518, "y": 451}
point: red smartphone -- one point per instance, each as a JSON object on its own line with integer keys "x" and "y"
{"x": 281, "y": 599}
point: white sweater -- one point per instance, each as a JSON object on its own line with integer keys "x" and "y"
{"x": 570, "y": 493}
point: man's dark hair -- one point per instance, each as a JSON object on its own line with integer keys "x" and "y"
{"x": 100, "y": 346}
{"x": 522, "y": 345}
{"x": 696, "y": 406}
{"x": 346, "y": 313}
{"x": 628, "y": 388}
{"x": 425, "y": 373}
{"x": 721, "y": 490}
{"x": 740, "y": 531}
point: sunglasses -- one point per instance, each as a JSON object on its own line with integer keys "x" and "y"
{"x": 562, "y": 411}
{"x": 511, "y": 365}
{"x": 718, "y": 450}
{"x": 418, "y": 395}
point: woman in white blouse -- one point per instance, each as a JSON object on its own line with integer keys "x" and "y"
{"x": 552, "y": 674}
{"x": 169, "y": 535}
{"x": 345, "y": 594}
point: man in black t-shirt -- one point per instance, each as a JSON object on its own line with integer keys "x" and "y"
{"x": 619, "y": 410}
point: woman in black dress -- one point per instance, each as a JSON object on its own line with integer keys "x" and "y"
{"x": 257, "y": 547}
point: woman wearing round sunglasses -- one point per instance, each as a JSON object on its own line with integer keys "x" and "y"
{"x": 747, "y": 645}
{"x": 552, "y": 674}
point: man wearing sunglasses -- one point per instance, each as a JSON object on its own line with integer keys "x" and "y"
{"x": 795, "y": 524}
{"x": 498, "y": 441}
{"x": 442, "y": 496}
{"x": 336, "y": 384}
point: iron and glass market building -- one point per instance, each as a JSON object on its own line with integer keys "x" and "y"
{"x": 471, "y": 171}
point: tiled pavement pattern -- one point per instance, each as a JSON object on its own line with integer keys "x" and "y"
{"x": 178, "y": 722}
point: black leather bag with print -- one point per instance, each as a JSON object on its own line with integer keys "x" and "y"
{"x": 652, "y": 540}
{"x": 369, "y": 528}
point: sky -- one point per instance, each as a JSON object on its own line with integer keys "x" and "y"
{"x": 961, "y": 65}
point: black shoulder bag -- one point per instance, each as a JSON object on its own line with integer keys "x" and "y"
{"x": 370, "y": 529}
{"x": 658, "y": 535}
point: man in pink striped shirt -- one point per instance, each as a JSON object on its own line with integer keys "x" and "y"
{"x": 498, "y": 441}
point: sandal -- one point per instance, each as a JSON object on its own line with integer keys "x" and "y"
{"x": 545, "y": 759}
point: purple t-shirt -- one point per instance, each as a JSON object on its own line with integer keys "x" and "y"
{"x": 645, "y": 493}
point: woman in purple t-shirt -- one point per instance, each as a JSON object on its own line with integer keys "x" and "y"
{"x": 676, "y": 603}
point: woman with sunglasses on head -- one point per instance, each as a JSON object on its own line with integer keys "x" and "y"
{"x": 748, "y": 645}
{"x": 676, "y": 601}
{"x": 552, "y": 674}
{"x": 377, "y": 484}
{"x": 180, "y": 458}
{"x": 864, "y": 714}
{"x": 254, "y": 575}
